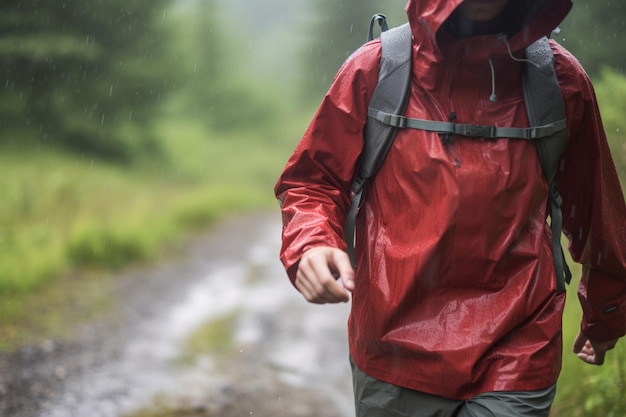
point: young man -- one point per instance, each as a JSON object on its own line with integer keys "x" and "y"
{"x": 455, "y": 307}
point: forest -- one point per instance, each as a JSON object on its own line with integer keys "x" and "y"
{"x": 86, "y": 77}
{"x": 128, "y": 125}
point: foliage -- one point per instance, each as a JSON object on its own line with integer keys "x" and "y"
{"x": 81, "y": 74}
{"x": 214, "y": 338}
{"x": 217, "y": 86}
{"x": 610, "y": 88}
{"x": 89, "y": 75}
{"x": 62, "y": 214}
{"x": 594, "y": 33}
{"x": 339, "y": 29}
{"x": 163, "y": 407}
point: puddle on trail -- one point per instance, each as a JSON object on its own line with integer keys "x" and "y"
{"x": 293, "y": 343}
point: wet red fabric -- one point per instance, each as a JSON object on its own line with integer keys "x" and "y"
{"x": 455, "y": 285}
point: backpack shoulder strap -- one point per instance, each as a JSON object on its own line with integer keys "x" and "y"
{"x": 391, "y": 94}
{"x": 545, "y": 104}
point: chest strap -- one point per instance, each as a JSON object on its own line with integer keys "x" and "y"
{"x": 470, "y": 130}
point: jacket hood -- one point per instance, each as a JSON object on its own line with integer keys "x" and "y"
{"x": 534, "y": 19}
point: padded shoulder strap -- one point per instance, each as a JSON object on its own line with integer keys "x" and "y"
{"x": 391, "y": 94}
{"x": 545, "y": 104}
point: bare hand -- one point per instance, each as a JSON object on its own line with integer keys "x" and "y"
{"x": 316, "y": 274}
{"x": 592, "y": 351}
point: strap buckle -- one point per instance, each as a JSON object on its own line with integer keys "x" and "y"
{"x": 475, "y": 130}
{"x": 394, "y": 120}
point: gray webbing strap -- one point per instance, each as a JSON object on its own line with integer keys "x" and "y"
{"x": 350, "y": 226}
{"x": 489, "y": 132}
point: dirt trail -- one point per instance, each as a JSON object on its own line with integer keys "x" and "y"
{"x": 285, "y": 357}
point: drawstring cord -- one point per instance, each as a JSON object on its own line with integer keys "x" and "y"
{"x": 494, "y": 97}
{"x": 508, "y": 48}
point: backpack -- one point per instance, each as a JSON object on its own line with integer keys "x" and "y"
{"x": 544, "y": 104}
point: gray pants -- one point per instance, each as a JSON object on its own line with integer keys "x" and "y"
{"x": 375, "y": 398}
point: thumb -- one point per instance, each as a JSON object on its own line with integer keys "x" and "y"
{"x": 343, "y": 267}
{"x": 579, "y": 342}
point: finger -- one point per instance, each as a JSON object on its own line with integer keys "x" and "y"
{"x": 316, "y": 282}
{"x": 587, "y": 353}
{"x": 306, "y": 282}
{"x": 326, "y": 264}
{"x": 583, "y": 349}
{"x": 303, "y": 285}
{"x": 592, "y": 359}
{"x": 588, "y": 349}
{"x": 591, "y": 355}
{"x": 311, "y": 290}
{"x": 329, "y": 295}
{"x": 601, "y": 349}
{"x": 329, "y": 289}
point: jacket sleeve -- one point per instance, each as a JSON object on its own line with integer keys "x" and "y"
{"x": 594, "y": 212}
{"x": 314, "y": 188}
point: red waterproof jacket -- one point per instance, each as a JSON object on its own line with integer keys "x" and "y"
{"x": 455, "y": 284}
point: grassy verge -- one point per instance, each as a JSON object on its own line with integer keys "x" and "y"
{"x": 214, "y": 338}
{"x": 65, "y": 219}
{"x": 584, "y": 390}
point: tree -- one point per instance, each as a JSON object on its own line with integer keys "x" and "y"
{"x": 594, "y": 33}
{"x": 85, "y": 74}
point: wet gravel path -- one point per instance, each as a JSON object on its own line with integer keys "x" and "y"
{"x": 284, "y": 358}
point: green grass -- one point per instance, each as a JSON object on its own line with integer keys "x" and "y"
{"x": 62, "y": 215}
{"x": 585, "y": 390}
{"x": 214, "y": 338}
{"x": 164, "y": 407}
